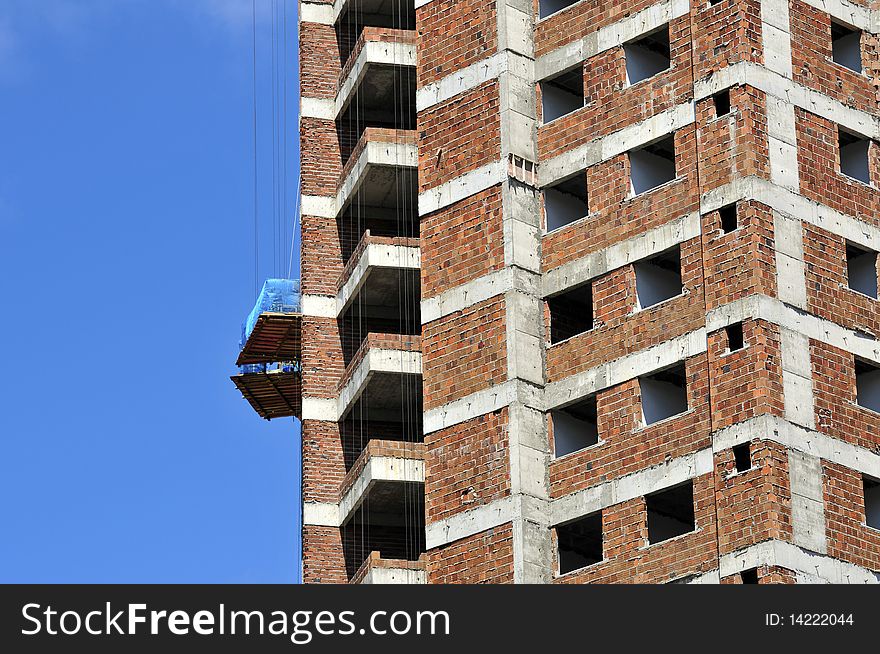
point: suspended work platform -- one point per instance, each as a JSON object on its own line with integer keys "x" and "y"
{"x": 271, "y": 352}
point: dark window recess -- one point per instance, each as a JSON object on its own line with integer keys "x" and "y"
{"x": 652, "y": 165}
{"x": 742, "y": 456}
{"x": 670, "y": 513}
{"x": 729, "y": 219}
{"x": 562, "y": 94}
{"x": 861, "y": 270}
{"x": 547, "y": 7}
{"x": 749, "y": 576}
{"x": 659, "y": 278}
{"x": 664, "y": 394}
{"x": 571, "y": 313}
{"x": 721, "y": 100}
{"x": 565, "y": 201}
{"x": 846, "y": 46}
{"x": 868, "y": 385}
{"x": 575, "y": 427}
{"x": 735, "y": 340}
{"x": 579, "y": 543}
{"x": 648, "y": 55}
{"x": 872, "y": 502}
{"x": 854, "y": 155}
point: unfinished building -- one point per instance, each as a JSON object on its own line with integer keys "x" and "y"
{"x": 589, "y": 292}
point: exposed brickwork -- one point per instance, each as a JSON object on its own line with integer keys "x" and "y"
{"x": 459, "y": 135}
{"x": 628, "y": 557}
{"x": 454, "y": 34}
{"x": 469, "y": 466}
{"x": 486, "y": 558}
{"x": 472, "y": 229}
{"x": 464, "y": 352}
{"x": 849, "y": 538}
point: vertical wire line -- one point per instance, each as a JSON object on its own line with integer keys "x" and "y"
{"x": 256, "y": 200}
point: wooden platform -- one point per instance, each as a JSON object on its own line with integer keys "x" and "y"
{"x": 276, "y": 337}
{"x": 272, "y": 394}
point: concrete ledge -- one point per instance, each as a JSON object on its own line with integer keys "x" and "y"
{"x": 320, "y": 514}
{"x": 475, "y": 291}
{"x": 461, "y": 81}
{"x": 480, "y": 403}
{"x": 488, "y": 516}
{"x": 810, "y": 567}
{"x": 614, "y": 256}
{"x": 376, "y": 570}
{"x": 320, "y": 108}
{"x": 318, "y": 306}
{"x": 570, "y": 389}
{"x": 630, "y": 486}
{"x": 463, "y": 186}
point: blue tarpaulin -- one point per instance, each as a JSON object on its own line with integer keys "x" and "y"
{"x": 278, "y": 295}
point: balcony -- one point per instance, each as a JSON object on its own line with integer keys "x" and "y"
{"x": 381, "y": 172}
{"x": 377, "y": 270}
{"x": 380, "y": 73}
{"x": 376, "y": 570}
{"x": 384, "y": 376}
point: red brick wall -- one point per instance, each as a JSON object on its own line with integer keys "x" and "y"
{"x": 462, "y": 242}
{"x": 469, "y": 466}
{"x": 820, "y": 175}
{"x": 464, "y": 352}
{"x": 813, "y": 67}
{"x": 755, "y": 505}
{"x": 629, "y": 560}
{"x": 828, "y": 293}
{"x": 748, "y": 382}
{"x": 627, "y": 446}
{"x": 847, "y": 535}
{"x": 323, "y": 556}
{"x": 484, "y": 558}
{"x": 459, "y": 135}
{"x": 726, "y": 34}
{"x": 612, "y": 105}
{"x": 834, "y": 390}
{"x": 454, "y": 34}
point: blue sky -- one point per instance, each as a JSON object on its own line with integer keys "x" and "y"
{"x": 126, "y": 268}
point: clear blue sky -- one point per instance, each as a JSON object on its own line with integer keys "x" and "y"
{"x": 126, "y": 268}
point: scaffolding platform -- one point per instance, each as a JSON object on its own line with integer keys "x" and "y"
{"x": 273, "y": 393}
{"x": 270, "y": 356}
{"x": 275, "y": 337}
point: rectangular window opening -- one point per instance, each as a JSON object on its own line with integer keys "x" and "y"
{"x": 571, "y": 313}
{"x": 670, "y": 513}
{"x": 742, "y": 456}
{"x": 562, "y": 94}
{"x": 872, "y": 502}
{"x": 565, "y": 201}
{"x": 868, "y": 385}
{"x": 664, "y": 394}
{"x": 547, "y": 7}
{"x": 846, "y": 46}
{"x": 749, "y": 576}
{"x": 575, "y": 427}
{"x": 658, "y": 279}
{"x": 729, "y": 219}
{"x": 721, "y": 100}
{"x": 579, "y": 543}
{"x": 647, "y": 55}
{"x": 735, "y": 340}
{"x": 854, "y": 155}
{"x": 652, "y": 165}
{"x": 861, "y": 270}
